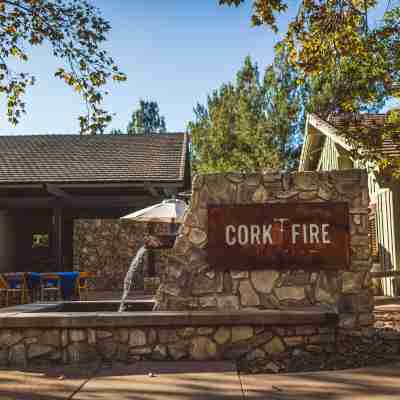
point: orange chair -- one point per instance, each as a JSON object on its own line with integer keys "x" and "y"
{"x": 3, "y": 292}
{"x": 17, "y": 287}
{"x": 82, "y": 285}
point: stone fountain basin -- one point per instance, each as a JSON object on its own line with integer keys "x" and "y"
{"x": 87, "y": 306}
{"x": 139, "y": 313}
{"x": 78, "y": 332}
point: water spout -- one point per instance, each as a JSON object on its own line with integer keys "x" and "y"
{"x": 134, "y": 275}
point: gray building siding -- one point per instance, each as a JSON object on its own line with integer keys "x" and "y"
{"x": 387, "y": 211}
{"x": 385, "y": 229}
{"x": 388, "y": 234}
{"x": 329, "y": 156}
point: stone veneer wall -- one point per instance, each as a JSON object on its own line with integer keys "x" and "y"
{"x": 190, "y": 283}
{"x": 255, "y": 347}
{"x": 277, "y": 348}
{"x": 106, "y": 247}
{"x": 388, "y": 318}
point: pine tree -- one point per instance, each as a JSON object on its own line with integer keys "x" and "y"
{"x": 232, "y": 133}
{"x": 146, "y": 119}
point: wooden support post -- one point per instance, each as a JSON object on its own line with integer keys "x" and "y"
{"x": 57, "y": 240}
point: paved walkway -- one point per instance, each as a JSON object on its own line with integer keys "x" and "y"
{"x": 195, "y": 380}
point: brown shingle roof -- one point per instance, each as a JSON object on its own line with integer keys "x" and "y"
{"x": 372, "y": 123}
{"x": 101, "y": 158}
{"x": 367, "y": 120}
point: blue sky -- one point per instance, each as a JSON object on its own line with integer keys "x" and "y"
{"x": 173, "y": 51}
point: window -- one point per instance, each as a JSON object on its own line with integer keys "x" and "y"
{"x": 40, "y": 240}
{"x": 344, "y": 162}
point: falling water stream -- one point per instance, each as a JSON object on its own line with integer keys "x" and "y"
{"x": 134, "y": 275}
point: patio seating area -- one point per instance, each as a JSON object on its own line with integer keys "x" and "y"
{"x": 28, "y": 287}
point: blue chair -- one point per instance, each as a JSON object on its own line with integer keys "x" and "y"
{"x": 50, "y": 287}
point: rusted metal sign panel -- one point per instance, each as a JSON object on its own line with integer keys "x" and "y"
{"x": 279, "y": 236}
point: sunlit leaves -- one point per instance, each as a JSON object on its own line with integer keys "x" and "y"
{"x": 263, "y": 10}
{"x": 335, "y": 49}
{"x": 75, "y": 32}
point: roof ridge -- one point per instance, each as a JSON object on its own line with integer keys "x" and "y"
{"x": 124, "y": 135}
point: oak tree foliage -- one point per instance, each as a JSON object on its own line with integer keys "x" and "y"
{"x": 147, "y": 119}
{"x": 335, "y": 48}
{"x": 75, "y": 33}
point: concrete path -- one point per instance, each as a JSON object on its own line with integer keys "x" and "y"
{"x": 44, "y": 383}
{"x": 156, "y": 381}
{"x": 195, "y": 380}
{"x": 381, "y": 383}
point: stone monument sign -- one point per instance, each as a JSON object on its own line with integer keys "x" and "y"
{"x": 270, "y": 270}
{"x": 310, "y": 236}
{"x": 223, "y": 258}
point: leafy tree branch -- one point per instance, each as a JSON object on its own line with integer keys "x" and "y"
{"x": 334, "y": 48}
{"x": 75, "y": 32}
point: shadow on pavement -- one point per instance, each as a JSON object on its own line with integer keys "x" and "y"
{"x": 195, "y": 380}
{"x": 363, "y": 384}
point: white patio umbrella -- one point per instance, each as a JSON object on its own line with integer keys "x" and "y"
{"x": 169, "y": 211}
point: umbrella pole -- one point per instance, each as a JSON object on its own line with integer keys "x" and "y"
{"x": 173, "y": 228}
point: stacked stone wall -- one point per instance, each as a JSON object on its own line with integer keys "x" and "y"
{"x": 255, "y": 348}
{"x": 277, "y": 348}
{"x": 106, "y": 247}
{"x": 189, "y": 282}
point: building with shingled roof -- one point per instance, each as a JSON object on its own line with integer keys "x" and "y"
{"x": 325, "y": 150}
{"x": 48, "y": 181}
